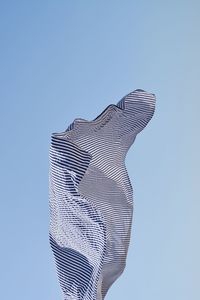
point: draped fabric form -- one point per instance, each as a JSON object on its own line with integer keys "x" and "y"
{"x": 91, "y": 196}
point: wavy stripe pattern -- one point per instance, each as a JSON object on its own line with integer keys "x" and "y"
{"x": 91, "y": 196}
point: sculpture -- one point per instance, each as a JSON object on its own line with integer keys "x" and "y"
{"x": 91, "y": 197}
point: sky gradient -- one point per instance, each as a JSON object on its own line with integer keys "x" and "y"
{"x": 66, "y": 59}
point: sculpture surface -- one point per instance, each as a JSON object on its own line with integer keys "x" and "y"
{"x": 91, "y": 196}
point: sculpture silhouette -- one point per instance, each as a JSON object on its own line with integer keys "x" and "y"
{"x": 91, "y": 197}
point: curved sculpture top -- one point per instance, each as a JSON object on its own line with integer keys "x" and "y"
{"x": 91, "y": 196}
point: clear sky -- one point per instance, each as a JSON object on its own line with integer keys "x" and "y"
{"x": 66, "y": 59}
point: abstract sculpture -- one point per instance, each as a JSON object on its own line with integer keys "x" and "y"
{"x": 91, "y": 197}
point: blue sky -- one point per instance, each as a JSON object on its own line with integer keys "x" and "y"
{"x": 66, "y": 59}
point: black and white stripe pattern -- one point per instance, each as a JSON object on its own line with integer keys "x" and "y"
{"x": 91, "y": 196}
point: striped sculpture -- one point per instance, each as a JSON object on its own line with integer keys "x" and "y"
{"x": 91, "y": 196}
